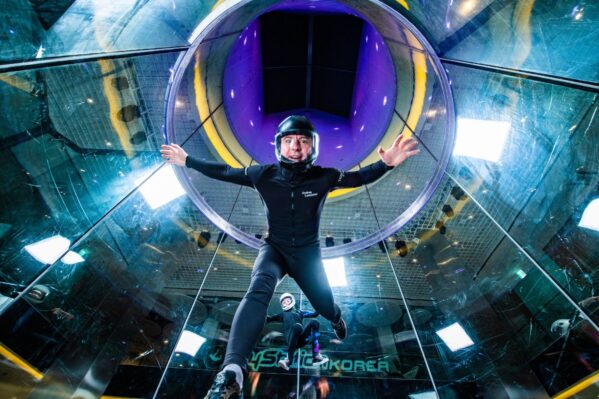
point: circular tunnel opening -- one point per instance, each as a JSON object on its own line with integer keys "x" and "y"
{"x": 359, "y": 70}
{"x": 325, "y": 63}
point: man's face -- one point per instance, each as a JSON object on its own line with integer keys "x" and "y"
{"x": 296, "y": 147}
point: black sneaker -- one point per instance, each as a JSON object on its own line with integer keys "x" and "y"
{"x": 340, "y": 329}
{"x": 224, "y": 387}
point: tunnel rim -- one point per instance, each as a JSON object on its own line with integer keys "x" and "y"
{"x": 212, "y": 20}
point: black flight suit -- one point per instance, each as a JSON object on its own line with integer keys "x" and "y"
{"x": 295, "y": 333}
{"x": 293, "y": 201}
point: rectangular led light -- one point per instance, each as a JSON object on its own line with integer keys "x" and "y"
{"x": 190, "y": 343}
{"x": 483, "y": 139}
{"x": 48, "y": 251}
{"x": 590, "y": 216}
{"x": 423, "y": 395}
{"x": 455, "y": 337}
{"x": 161, "y": 188}
{"x": 335, "y": 270}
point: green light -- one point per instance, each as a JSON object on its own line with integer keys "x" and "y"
{"x": 520, "y": 273}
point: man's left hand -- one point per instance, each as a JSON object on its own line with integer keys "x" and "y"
{"x": 399, "y": 151}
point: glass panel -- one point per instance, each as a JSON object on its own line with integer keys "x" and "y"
{"x": 38, "y": 29}
{"x": 404, "y": 183}
{"x": 481, "y": 287}
{"x": 549, "y": 37}
{"x": 420, "y": 100}
{"x": 534, "y": 168}
{"x": 562, "y": 234}
{"x": 380, "y": 342}
{"x": 380, "y": 345}
{"x": 225, "y": 285}
{"x": 556, "y": 38}
{"x": 75, "y": 139}
{"x": 106, "y": 317}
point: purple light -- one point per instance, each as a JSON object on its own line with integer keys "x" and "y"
{"x": 375, "y": 74}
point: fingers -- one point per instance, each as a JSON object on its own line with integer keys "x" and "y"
{"x": 410, "y": 153}
{"x": 410, "y": 144}
{"x": 170, "y": 153}
{"x": 398, "y": 139}
{"x": 171, "y": 147}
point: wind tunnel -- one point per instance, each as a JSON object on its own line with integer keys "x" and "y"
{"x": 331, "y": 63}
{"x": 469, "y": 271}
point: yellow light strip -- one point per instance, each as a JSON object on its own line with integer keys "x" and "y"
{"x": 217, "y": 4}
{"x": 20, "y": 362}
{"x": 114, "y": 104}
{"x": 340, "y": 192}
{"x": 420, "y": 70}
{"x": 522, "y": 13}
{"x": 404, "y": 4}
{"x": 204, "y": 112}
{"x": 226, "y": 254}
{"x": 17, "y": 82}
{"x": 579, "y": 386}
{"x": 116, "y": 397}
{"x": 198, "y": 86}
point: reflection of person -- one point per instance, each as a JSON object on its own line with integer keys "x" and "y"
{"x": 296, "y": 335}
{"x": 294, "y": 192}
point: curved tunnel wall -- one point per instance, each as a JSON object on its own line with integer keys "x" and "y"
{"x": 419, "y": 83}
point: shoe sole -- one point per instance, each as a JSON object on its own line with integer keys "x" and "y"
{"x": 283, "y": 365}
{"x": 344, "y": 329}
{"x": 323, "y": 361}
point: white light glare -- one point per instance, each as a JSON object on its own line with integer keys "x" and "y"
{"x": 190, "y": 343}
{"x": 590, "y": 216}
{"x": 335, "y": 270}
{"x": 48, "y": 250}
{"x": 72, "y": 258}
{"x": 423, "y": 395}
{"x": 455, "y": 337}
{"x": 467, "y": 7}
{"x": 481, "y": 139}
{"x": 161, "y": 188}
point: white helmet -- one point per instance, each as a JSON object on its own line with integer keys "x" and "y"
{"x": 291, "y": 305}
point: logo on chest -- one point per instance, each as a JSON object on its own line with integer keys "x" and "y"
{"x": 308, "y": 194}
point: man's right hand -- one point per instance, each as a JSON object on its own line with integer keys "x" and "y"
{"x": 173, "y": 154}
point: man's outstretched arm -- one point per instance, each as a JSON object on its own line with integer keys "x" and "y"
{"x": 395, "y": 155}
{"x": 307, "y": 314}
{"x": 176, "y": 155}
